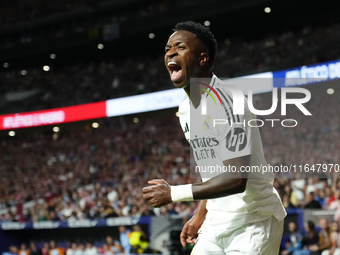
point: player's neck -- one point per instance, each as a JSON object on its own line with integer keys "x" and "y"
{"x": 194, "y": 93}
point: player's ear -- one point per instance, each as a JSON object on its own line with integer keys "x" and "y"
{"x": 204, "y": 59}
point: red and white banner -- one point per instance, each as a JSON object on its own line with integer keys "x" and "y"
{"x": 110, "y": 108}
{"x": 53, "y": 116}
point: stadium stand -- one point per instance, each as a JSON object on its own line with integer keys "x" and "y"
{"x": 84, "y": 173}
{"x": 120, "y": 77}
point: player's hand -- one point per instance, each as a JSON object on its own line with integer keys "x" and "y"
{"x": 190, "y": 230}
{"x": 159, "y": 194}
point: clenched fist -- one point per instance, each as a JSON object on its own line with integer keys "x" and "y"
{"x": 159, "y": 194}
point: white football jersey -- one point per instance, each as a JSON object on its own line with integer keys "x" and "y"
{"x": 212, "y": 144}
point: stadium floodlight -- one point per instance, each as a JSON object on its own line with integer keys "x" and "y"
{"x": 100, "y": 46}
{"x": 267, "y": 10}
{"x": 330, "y": 91}
{"x": 151, "y": 35}
{"x": 56, "y": 129}
{"x": 46, "y": 68}
{"x": 11, "y": 133}
{"x": 95, "y": 125}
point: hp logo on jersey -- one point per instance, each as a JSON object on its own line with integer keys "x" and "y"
{"x": 236, "y": 140}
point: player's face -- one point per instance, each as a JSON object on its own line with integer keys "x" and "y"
{"x": 182, "y": 57}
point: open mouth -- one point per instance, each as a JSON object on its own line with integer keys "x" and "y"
{"x": 175, "y": 70}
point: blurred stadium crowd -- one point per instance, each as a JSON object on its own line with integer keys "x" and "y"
{"x": 87, "y": 18}
{"x": 92, "y": 173}
{"x": 77, "y": 83}
{"x": 129, "y": 241}
{"x": 18, "y": 12}
{"x": 323, "y": 240}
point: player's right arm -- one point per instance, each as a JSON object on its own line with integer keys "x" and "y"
{"x": 190, "y": 229}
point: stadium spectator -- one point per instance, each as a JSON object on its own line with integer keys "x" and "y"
{"x": 335, "y": 237}
{"x": 311, "y": 203}
{"x": 145, "y": 210}
{"x": 123, "y": 208}
{"x": 134, "y": 212}
{"x": 113, "y": 245}
{"x": 73, "y": 217}
{"x": 298, "y": 186}
{"x": 321, "y": 198}
{"x": 106, "y": 212}
{"x": 295, "y": 240}
{"x": 325, "y": 241}
{"x": 286, "y": 201}
{"x": 24, "y": 250}
{"x": 309, "y": 241}
{"x": 34, "y": 249}
{"x": 291, "y": 195}
{"x": 335, "y": 205}
{"x": 68, "y": 209}
{"x": 46, "y": 249}
{"x": 81, "y": 249}
{"x": 91, "y": 249}
{"x": 171, "y": 209}
{"x": 52, "y": 216}
{"x": 330, "y": 196}
{"x": 73, "y": 249}
{"x": 105, "y": 250}
{"x": 183, "y": 210}
{"x": 124, "y": 239}
{"x": 13, "y": 249}
{"x": 111, "y": 194}
{"x": 139, "y": 240}
{"x": 54, "y": 250}
{"x": 313, "y": 184}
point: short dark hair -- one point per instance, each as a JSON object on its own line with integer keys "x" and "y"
{"x": 203, "y": 33}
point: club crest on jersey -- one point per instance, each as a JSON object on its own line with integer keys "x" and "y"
{"x": 236, "y": 140}
{"x": 206, "y": 123}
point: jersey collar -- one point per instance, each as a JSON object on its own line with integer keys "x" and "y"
{"x": 212, "y": 84}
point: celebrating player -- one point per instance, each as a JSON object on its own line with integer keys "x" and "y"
{"x": 239, "y": 212}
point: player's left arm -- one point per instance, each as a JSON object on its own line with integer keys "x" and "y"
{"x": 225, "y": 184}
{"x": 222, "y": 185}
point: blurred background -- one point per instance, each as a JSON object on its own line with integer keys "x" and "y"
{"x": 71, "y": 177}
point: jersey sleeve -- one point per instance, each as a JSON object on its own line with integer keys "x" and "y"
{"x": 235, "y": 135}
